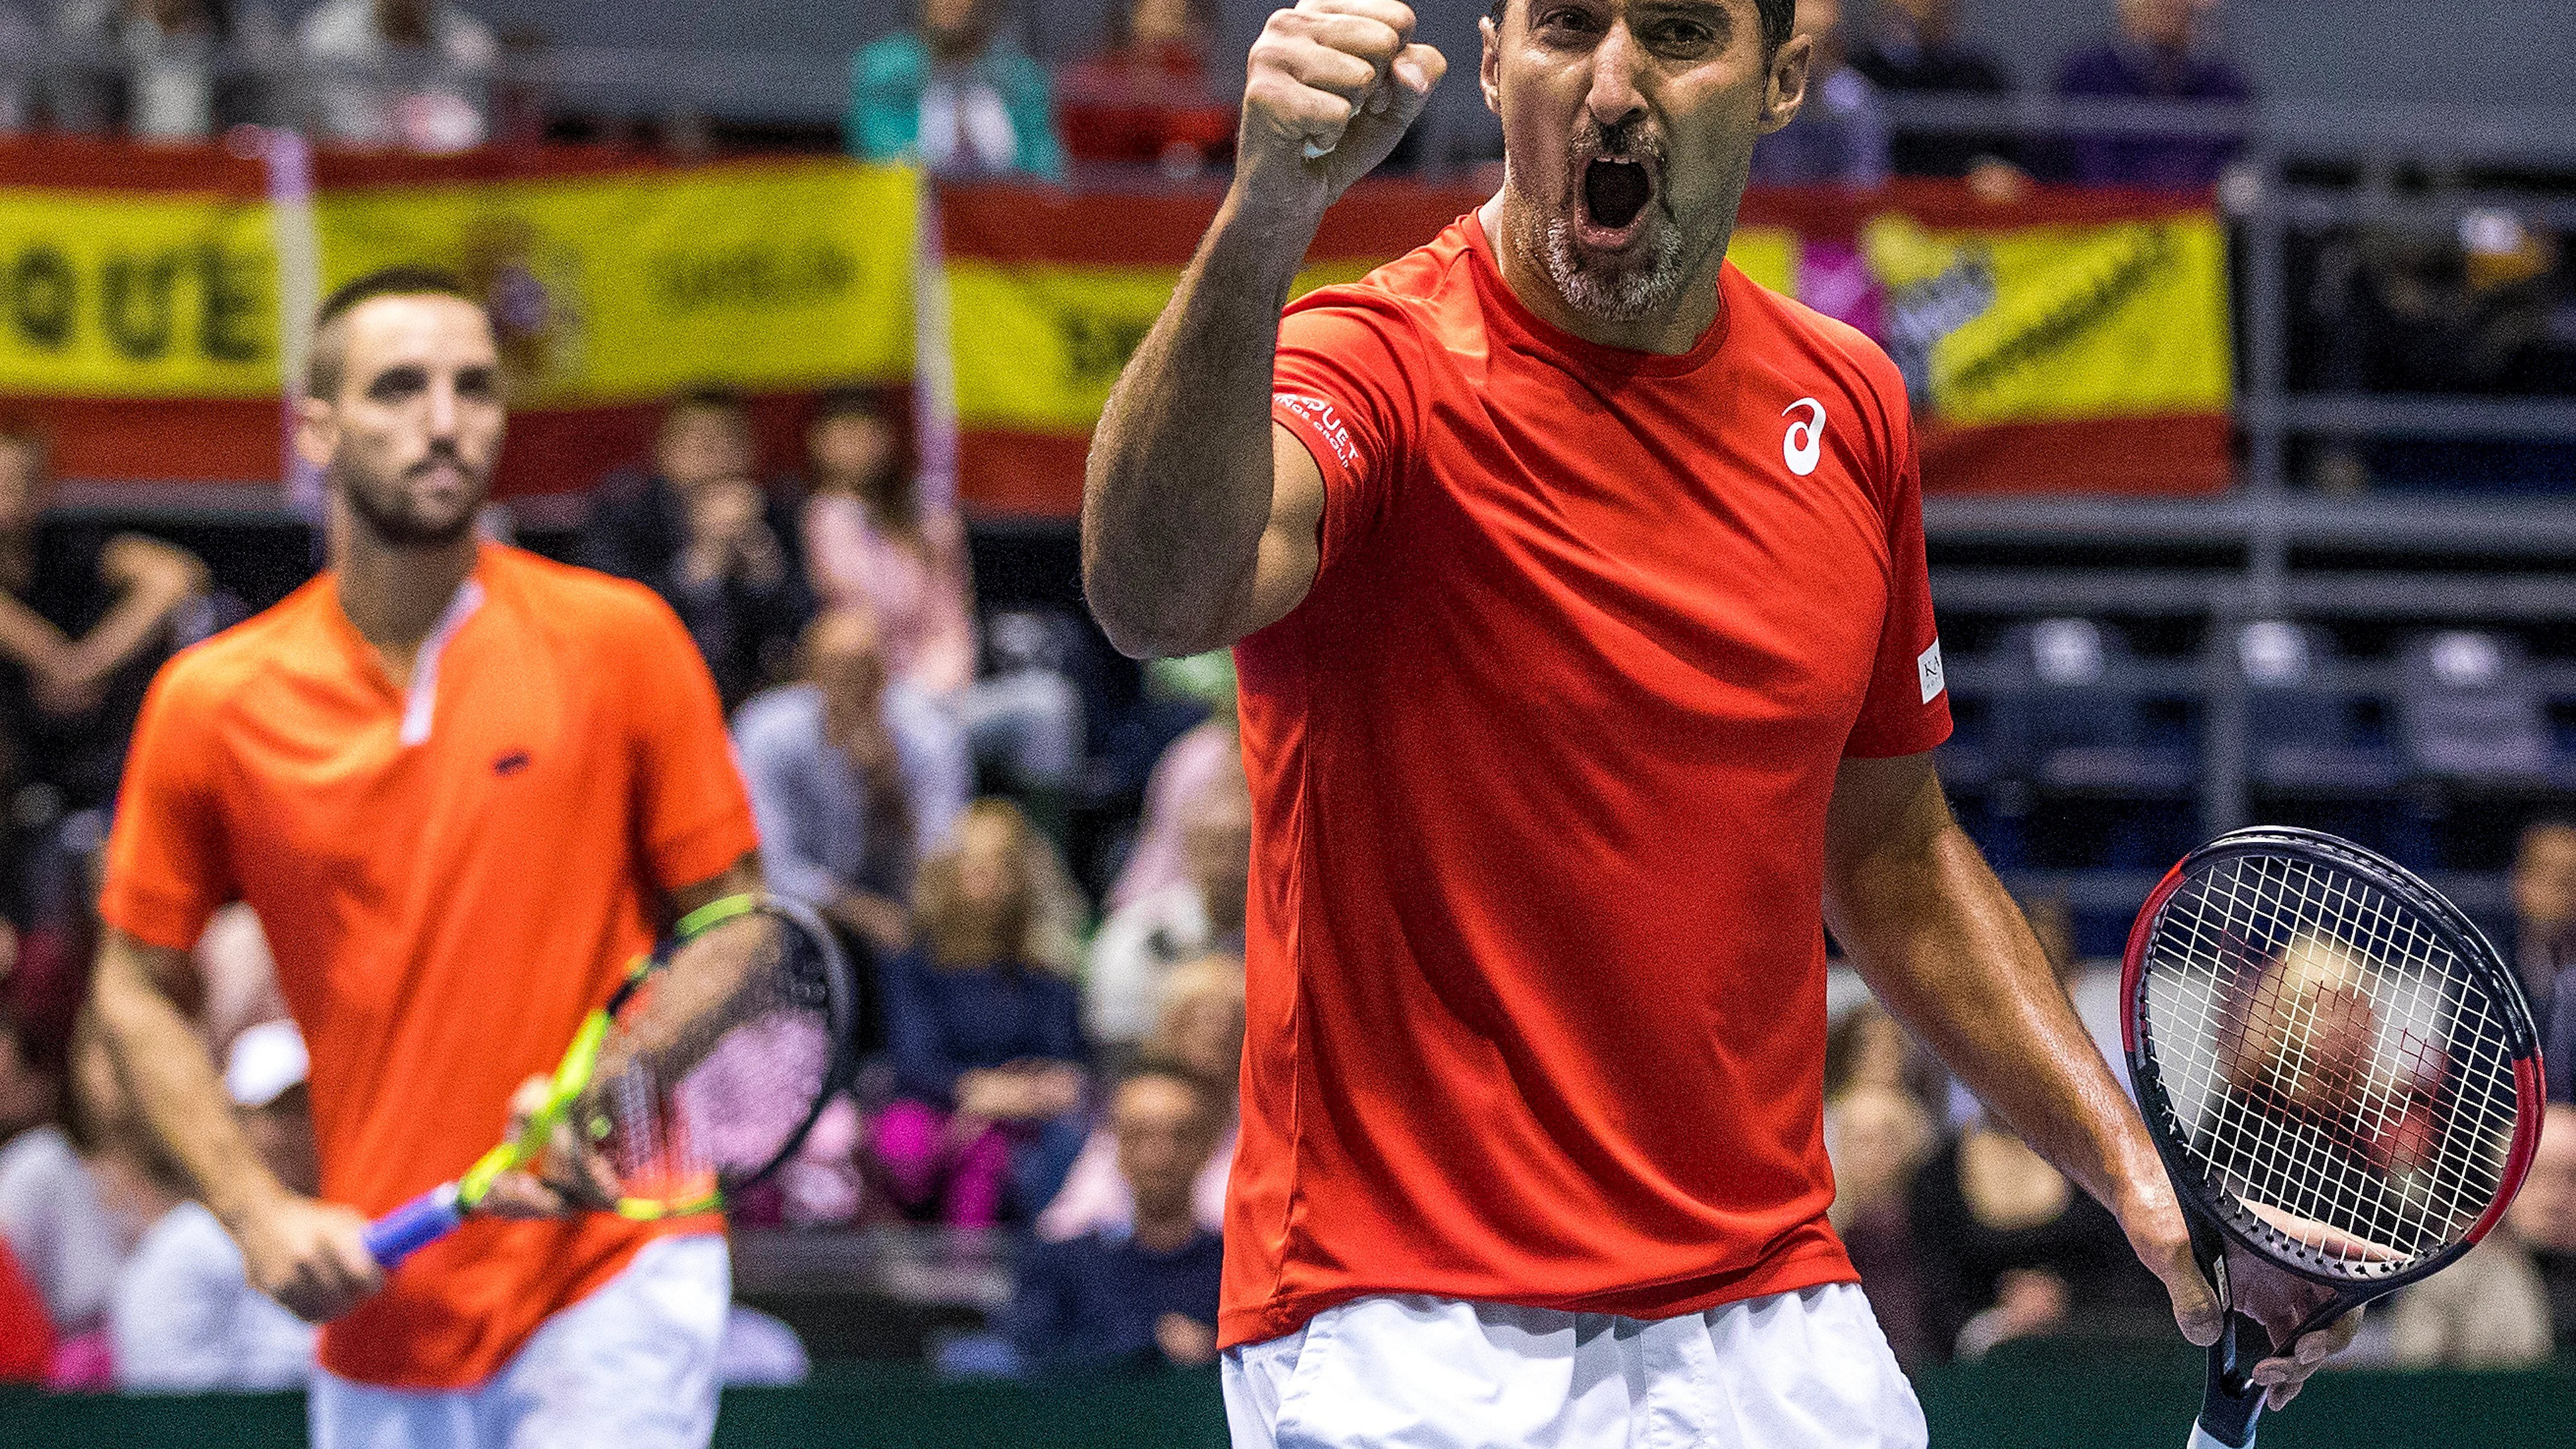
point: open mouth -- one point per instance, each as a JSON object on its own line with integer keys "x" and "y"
{"x": 1615, "y": 191}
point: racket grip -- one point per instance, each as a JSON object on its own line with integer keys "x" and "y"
{"x": 414, "y": 1226}
{"x": 2232, "y": 1403}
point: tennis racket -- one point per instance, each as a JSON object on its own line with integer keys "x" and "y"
{"x": 700, "y": 1077}
{"x": 2340, "y": 1072}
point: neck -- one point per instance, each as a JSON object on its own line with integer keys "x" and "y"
{"x": 1167, "y": 1230}
{"x": 394, "y": 595}
{"x": 1668, "y": 333}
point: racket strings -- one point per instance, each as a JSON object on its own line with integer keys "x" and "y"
{"x": 743, "y": 1054}
{"x": 2328, "y": 1062}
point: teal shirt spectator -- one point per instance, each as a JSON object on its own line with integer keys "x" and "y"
{"x": 887, "y": 80}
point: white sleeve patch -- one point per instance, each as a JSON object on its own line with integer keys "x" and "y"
{"x": 1927, "y": 668}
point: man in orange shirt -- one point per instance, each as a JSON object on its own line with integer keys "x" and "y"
{"x": 1578, "y": 595}
{"x": 458, "y": 783}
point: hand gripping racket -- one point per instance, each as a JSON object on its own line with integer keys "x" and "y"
{"x": 2341, "y": 1075}
{"x": 700, "y": 1076}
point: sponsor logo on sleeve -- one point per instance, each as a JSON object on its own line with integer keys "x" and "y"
{"x": 1325, "y": 421}
{"x": 1927, "y": 670}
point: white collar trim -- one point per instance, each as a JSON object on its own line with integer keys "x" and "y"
{"x": 422, "y": 702}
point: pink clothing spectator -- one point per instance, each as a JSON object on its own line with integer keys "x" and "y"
{"x": 1194, "y": 764}
{"x": 920, "y": 597}
{"x": 1096, "y": 1196}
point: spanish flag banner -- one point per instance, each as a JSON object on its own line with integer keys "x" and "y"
{"x": 2073, "y": 342}
{"x": 142, "y": 319}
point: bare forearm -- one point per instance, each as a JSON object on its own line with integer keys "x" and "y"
{"x": 1945, "y": 947}
{"x": 1180, "y": 479}
{"x": 155, "y": 580}
{"x": 175, "y": 1087}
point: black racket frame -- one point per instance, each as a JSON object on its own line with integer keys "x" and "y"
{"x": 840, "y": 1009}
{"x": 2233, "y": 1401}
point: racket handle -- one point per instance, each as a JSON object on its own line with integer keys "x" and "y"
{"x": 2232, "y": 1403}
{"x": 414, "y": 1226}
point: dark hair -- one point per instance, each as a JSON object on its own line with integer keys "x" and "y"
{"x": 1779, "y": 20}
{"x": 403, "y": 279}
{"x": 846, "y": 402}
{"x": 20, "y": 430}
{"x": 1122, "y": 20}
{"x": 707, "y": 397}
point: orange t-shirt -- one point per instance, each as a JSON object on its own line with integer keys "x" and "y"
{"x": 1540, "y": 767}
{"x": 450, "y": 882}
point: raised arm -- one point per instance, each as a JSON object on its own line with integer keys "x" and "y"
{"x": 1946, "y": 949}
{"x": 1199, "y": 513}
{"x": 307, "y": 1255}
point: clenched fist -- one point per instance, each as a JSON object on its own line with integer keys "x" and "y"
{"x": 1329, "y": 90}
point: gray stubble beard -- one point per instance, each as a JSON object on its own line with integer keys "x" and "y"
{"x": 1630, "y": 294}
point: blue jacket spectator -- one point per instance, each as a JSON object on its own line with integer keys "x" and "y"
{"x": 948, "y": 1021}
{"x": 2155, "y": 57}
{"x": 988, "y": 1052}
{"x": 1146, "y": 1295}
{"x": 957, "y": 96}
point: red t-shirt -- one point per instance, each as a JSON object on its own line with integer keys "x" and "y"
{"x": 1540, "y": 767}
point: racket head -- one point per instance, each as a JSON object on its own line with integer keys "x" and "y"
{"x": 725, "y": 1048}
{"x": 2340, "y": 1072}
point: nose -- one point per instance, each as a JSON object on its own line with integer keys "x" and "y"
{"x": 1614, "y": 99}
{"x": 442, "y": 407}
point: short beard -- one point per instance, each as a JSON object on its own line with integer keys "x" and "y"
{"x": 381, "y": 509}
{"x": 1631, "y": 294}
{"x": 1626, "y": 294}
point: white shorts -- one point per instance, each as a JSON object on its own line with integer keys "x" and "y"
{"x": 1803, "y": 1370}
{"x": 632, "y": 1366}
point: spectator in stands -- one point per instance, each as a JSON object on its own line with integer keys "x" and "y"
{"x": 1839, "y": 137}
{"x": 855, "y": 778}
{"x": 2543, "y": 943}
{"x": 1916, "y": 50}
{"x": 958, "y": 96}
{"x": 1147, "y": 99}
{"x": 26, "y": 1337}
{"x": 159, "y": 69}
{"x": 2486, "y": 1311}
{"x": 1877, "y": 1136}
{"x": 185, "y": 1318}
{"x": 2156, "y": 56}
{"x": 2543, "y": 1221}
{"x": 1199, "y": 761}
{"x": 411, "y": 75}
{"x": 86, "y": 617}
{"x": 1203, "y": 912}
{"x": 989, "y": 1063}
{"x": 709, "y": 540}
{"x": 2010, "y": 1249}
{"x": 872, "y": 543}
{"x": 1199, "y": 1033}
{"x": 51, "y": 1219}
{"x": 1144, "y": 1295}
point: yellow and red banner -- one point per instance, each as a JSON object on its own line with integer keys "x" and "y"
{"x": 2074, "y": 341}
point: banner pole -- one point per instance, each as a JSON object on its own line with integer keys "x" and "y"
{"x": 934, "y": 366}
{"x": 288, "y": 158}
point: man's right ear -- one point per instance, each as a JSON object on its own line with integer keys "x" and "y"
{"x": 317, "y": 431}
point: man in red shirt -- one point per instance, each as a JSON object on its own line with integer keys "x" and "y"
{"x": 1588, "y": 669}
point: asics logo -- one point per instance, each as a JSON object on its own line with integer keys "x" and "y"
{"x": 1806, "y": 440}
